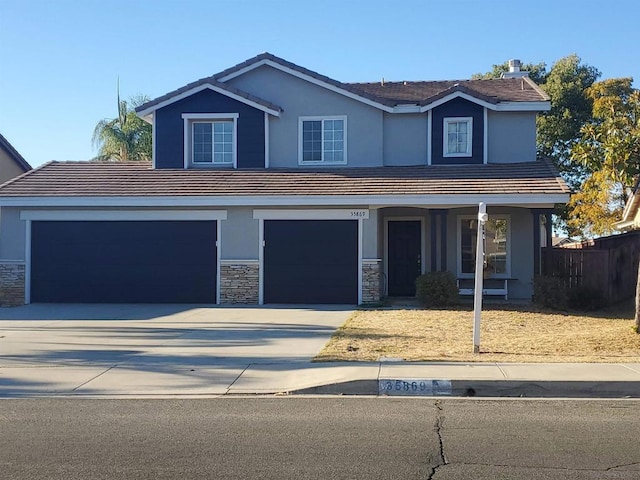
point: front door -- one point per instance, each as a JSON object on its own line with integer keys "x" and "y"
{"x": 404, "y": 257}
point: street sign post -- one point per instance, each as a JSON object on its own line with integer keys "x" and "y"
{"x": 477, "y": 296}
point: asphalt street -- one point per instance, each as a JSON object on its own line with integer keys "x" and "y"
{"x": 318, "y": 438}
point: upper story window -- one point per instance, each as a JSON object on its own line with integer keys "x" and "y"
{"x": 210, "y": 139}
{"x": 458, "y": 136}
{"x": 322, "y": 140}
{"x": 497, "y": 261}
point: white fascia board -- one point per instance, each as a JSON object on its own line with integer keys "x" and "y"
{"x": 523, "y": 107}
{"x": 451, "y": 96}
{"x": 624, "y": 225}
{"x": 122, "y": 215}
{"x": 315, "y": 214}
{"x": 499, "y": 107}
{"x": 242, "y": 71}
{"x": 200, "y": 88}
{"x": 538, "y": 200}
{"x": 307, "y": 78}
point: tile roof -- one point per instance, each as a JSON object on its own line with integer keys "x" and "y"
{"x": 389, "y": 94}
{"x": 491, "y": 90}
{"x": 103, "y": 179}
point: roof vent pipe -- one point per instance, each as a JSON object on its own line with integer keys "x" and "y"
{"x": 515, "y": 70}
{"x": 514, "y": 65}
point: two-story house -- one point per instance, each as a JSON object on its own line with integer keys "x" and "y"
{"x": 271, "y": 183}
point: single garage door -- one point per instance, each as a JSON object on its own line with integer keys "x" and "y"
{"x": 311, "y": 261}
{"x": 123, "y": 261}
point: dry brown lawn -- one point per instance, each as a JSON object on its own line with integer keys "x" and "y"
{"x": 508, "y": 334}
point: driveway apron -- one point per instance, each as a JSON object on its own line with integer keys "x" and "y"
{"x": 153, "y": 349}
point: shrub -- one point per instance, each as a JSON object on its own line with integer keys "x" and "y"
{"x": 586, "y": 298}
{"x": 437, "y": 289}
{"x": 550, "y": 292}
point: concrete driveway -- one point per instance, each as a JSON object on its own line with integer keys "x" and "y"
{"x": 158, "y": 349}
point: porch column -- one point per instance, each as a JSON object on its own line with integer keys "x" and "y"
{"x": 548, "y": 230}
{"x": 537, "y": 250}
{"x": 443, "y": 240}
{"x": 434, "y": 239}
{"x": 536, "y": 241}
{"x": 438, "y": 219}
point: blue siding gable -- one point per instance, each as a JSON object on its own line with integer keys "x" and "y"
{"x": 457, "y": 107}
{"x": 169, "y": 127}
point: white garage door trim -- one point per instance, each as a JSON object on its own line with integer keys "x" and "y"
{"x": 117, "y": 215}
{"x": 328, "y": 214}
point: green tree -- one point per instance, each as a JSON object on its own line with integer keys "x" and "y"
{"x": 559, "y": 129}
{"x": 126, "y": 137}
{"x": 609, "y": 149}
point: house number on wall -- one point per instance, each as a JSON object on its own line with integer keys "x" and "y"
{"x": 359, "y": 213}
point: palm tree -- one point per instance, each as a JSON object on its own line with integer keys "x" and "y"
{"x": 125, "y": 138}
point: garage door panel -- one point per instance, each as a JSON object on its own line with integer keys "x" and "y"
{"x": 127, "y": 262}
{"x": 309, "y": 261}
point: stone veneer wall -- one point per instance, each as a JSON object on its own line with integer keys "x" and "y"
{"x": 239, "y": 282}
{"x": 370, "y": 282}
{"x": 11, "y": 284}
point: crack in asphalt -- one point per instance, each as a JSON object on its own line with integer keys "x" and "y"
{"x": 438, "y": 429}
{"x": 622, "y": 466}
{"x": 539, "y": 467}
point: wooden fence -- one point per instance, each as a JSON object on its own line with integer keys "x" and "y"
{"x": 612, "y": 271}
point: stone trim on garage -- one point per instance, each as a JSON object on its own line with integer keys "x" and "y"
{"x": 12, "y": 283}
{"x": 370, "y": 281}
{"x": 239, "y": 281}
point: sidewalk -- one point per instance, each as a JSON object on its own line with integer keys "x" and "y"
{"x": 191, "y": 350}
{"x": 378, "y": 378}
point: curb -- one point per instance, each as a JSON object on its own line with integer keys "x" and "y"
{"x": 479, "y": 388}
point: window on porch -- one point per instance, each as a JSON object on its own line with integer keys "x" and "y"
{"x": 497, "y": 261}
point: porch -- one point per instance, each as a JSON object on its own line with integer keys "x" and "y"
{"x": 416, "y": 240}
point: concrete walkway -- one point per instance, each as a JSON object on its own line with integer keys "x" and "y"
{"x": 168, "y": 350}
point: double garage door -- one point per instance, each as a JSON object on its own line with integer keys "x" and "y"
{"x": 305, "y": 261}
{"x": 123, "y": 261}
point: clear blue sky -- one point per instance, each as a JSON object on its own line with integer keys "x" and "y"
{"x": 60, "y": 59}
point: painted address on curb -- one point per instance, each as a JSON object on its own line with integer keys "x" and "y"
{"x": 414, "y": 387}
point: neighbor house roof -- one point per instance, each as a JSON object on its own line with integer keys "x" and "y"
{"x": 631, "y": 213}
{"x": 95, "y": 179}
{"x": 383, "y": 94}
{"x": 19, "y": 159}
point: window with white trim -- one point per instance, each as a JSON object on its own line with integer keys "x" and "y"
{"x": 458, "y": 136}
{"x": 210, "y": 139}
{"x": 322, "y": 140}
{"x": 497, "y": 259}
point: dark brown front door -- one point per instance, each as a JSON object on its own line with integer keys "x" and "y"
{"x": 404, "y": 257}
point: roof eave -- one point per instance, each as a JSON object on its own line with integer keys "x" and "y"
{"x": 145, "y": 112}
{"x": 512, "y": 106}
{"x": 533, "y": 200}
